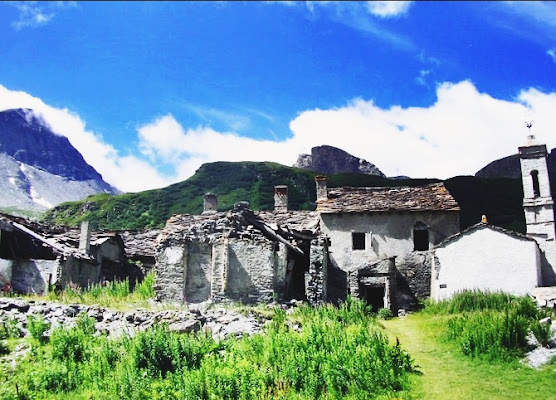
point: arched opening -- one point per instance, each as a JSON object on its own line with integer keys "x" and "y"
{"x": 420, "y": 237}
{"x": 536, "y": 187}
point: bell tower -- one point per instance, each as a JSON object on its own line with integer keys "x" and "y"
{"x": 538, "y": 204}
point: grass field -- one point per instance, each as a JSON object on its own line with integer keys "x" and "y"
{"x": 445, "y": 373}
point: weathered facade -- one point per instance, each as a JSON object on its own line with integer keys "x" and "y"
{"x": 349, "y": 246}
{"x": 34, "y": 257}
{"x": 366, "y": 225}
{"x": 241, "y": 256}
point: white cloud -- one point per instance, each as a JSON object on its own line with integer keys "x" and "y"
{"x": 127, "y": 173}
{"x": 388, "y": 9}
{"x": 552, "y": 54}
{"x": 421, "y": 79}
{"x": 33, "y": 14}
{"x": 457, "y": 135}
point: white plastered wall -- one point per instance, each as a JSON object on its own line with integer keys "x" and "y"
{"x": 485, "y": 259}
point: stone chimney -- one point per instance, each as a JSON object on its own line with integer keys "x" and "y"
{"x": 85, "y": 237}
{"x": 210, "y": 203}
{"x": 322, "y": 190}
{"x": 281, "y": 198}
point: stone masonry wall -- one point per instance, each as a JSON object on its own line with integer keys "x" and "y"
{"x": 169, "y": 281}
{"x": 250, "y": 271}
{"x": 413, "y": 279}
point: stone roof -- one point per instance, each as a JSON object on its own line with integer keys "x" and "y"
{"x": 479, "y": 226}
{"x": 296, "y": 220}
{"x": 241, "y": 222}
{"x": 141, "y": 243}
{"x": 431, "y": 197}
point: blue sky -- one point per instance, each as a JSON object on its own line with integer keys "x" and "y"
{"x": 148, "y": 91}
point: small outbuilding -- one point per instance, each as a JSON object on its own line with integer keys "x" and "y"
{"x": 488, "y": 258}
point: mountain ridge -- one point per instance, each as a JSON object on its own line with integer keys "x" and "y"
{"x": 39, "y": 168}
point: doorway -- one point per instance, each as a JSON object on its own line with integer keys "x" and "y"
{"x": 373, "y": 295}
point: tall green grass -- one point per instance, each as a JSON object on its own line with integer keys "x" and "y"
{"x": 107, "y": 294}
{"x": 492, "y": 325}
{"x": 339, "y": 353}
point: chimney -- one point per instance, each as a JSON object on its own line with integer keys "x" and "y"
{"x": 85, "y": 237}
{"x": 210, "y": 203}
{"x": 322, "y": 190}
{"x": 281, "y": 198}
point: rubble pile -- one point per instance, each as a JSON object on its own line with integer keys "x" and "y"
{"x": 220, "y": 322}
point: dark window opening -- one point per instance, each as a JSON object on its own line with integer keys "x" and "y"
{"x": 373, "y": 296}
{"x": 420, "y": 237}
{"x": 536, "y": 187}
{"x": 358, "y": 240}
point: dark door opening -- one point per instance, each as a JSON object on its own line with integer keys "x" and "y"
{"x": 298, "y": 265}
{"x": 373, "y": 296}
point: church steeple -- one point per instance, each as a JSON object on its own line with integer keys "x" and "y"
{"x": 538, "y": 204}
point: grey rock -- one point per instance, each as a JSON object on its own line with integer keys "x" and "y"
{"x": 185, "y": 326}
{"x": 331, "y": 160}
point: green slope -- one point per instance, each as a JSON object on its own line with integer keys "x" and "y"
{"x": 254, "y": 182}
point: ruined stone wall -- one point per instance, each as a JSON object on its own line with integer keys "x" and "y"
{"x": 250, "y": 271}
{"x": 198, "y": 272}
{"x": 170, "y": 274}
{"x": 80, "y": 272}
{"x": 316, "y": 278}
{"x": 413, "y": 280}
{"x": 32, "y": 276}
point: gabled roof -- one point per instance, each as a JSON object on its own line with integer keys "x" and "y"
{"x": 431, "y": 197}
{"x": 480, "y": 226}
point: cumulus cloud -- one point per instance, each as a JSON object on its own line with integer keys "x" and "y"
{"x": 457, "y": 135}
{"x": 388, "y": 9}
{"x": 126, "y": 172}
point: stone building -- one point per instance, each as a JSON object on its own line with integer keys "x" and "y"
{"x": 241, "y": 255}
{"x": 538, "y": 205}
{"x": 491, "y": 258}
{"x": 34, "y": 257}
{"x": 382, "y": 235}
{"x": 349, "y": 246}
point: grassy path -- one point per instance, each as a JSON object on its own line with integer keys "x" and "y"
{"x": 446, "y": 374}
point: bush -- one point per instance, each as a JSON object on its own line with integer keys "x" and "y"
{"x": 9, "y": 329}
{"x": 4, "y": 349}
{"x": 385, "y": 313}
{"x": 73, "y": 345}
{"x": 37, "y": 327}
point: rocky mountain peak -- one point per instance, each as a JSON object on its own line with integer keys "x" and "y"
{"x": 331, "y": 160}
{"x": 28, "y": 138}
{"x": 39, "y": 168}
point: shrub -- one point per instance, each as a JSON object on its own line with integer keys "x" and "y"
{"x": 9, "y": 329}
{"x": 37, "y": 327}
{"x": 4, "y": 349}
{"x": 385, "y": 313}
{"x": 72, "y": 345}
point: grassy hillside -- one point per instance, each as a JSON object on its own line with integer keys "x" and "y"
{"x": 499, "y": 199}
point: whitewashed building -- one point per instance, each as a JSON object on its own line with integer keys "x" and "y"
{"x": 487, "y": 258}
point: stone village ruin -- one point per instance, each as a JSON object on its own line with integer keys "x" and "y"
{"x": 391, "y": 247}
